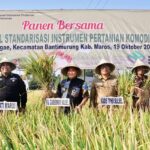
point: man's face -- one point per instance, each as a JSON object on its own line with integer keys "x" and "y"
{"x": 72, "y": 73}
{"x": 140, "y": 71}
{"x": 5, "y": 68}
{"x": 105, "y": 70}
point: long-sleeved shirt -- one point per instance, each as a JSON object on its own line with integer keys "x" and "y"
{"x": 143, "y": 95}
{"x": 103, "y": 88}
{"x": 139, "y": 82}
{"x": 12, "y": 89}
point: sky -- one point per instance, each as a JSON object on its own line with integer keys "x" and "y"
{"x": 73, "y": 4}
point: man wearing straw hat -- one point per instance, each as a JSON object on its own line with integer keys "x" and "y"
{"x": 141, "y": 95}
{"x": 12, "y": 88}
{"x": 105, "y": 85}
{"x": 73, "y": 88}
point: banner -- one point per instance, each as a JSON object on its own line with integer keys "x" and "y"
{"x": 82, "y": 36}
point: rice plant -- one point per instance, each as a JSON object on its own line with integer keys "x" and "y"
{"x": 41, "y": 67}
{"x": 125, "y": 85}
{"x": 43, "y": 128}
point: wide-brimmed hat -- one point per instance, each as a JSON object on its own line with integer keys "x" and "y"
{"x": 138, "y": 64}
{"x": 65, "y": 69}
{"x": 104, "y": 62}
{"x": 5, "y": 60}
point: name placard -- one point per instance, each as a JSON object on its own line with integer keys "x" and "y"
{"x": 112, "y": 101}
{"x": 57, "y": 102}
{"x": 8, "y": 105}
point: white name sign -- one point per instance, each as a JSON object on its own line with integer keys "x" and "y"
{"x": 8, "y": 105}
{"x": 57, "y": 102}
{"x": 112, "y": 101}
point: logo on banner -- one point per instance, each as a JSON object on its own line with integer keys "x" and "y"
{"x": 148, "y": 59}
{"x": 136, "y": 55}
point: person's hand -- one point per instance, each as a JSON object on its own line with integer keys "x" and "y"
{"x": 139, "y": 91}
{"x": 78, "y": 108}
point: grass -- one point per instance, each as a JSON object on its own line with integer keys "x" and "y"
{"x": 44, "y": 129}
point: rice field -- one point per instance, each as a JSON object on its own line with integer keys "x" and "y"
{"x": 45, "y": 129}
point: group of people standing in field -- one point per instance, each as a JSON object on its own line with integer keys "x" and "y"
{"x": 105, "y": 85}
{"x": 12, "y": 87}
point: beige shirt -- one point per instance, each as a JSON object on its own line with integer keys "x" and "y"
{"x": 103, "y": 88}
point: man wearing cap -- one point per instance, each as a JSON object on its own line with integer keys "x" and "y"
{"x": 140, "y": 69}
{"x": 73, "y": 88}
{"x": 105, "y": 85}
{"x": 12, "y": 88}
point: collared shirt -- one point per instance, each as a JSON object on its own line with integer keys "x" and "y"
{"x": 139, "y": 81}
{"x": 12, "y": 88}
{"x": 103, "y": 88}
